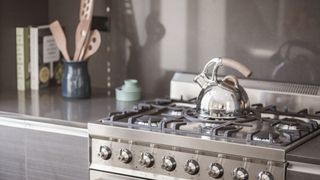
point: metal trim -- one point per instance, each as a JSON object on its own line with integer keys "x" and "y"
{"x": 96, "y": 167}
{"x": 304, "y": 168}
{"x": 285, "y": 95}
{"x": 46, "y": 127}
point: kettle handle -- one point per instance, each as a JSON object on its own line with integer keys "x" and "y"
{"x": 244, "y": 70}
{"x": 231, "y": 81}
{"x": 237, "y": 66}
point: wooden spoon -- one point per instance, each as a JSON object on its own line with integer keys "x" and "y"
{"x": 81, "y": 35}
{"x": 86, "y": 12}
{"x": 93, "y": 44}
{"x": 86, "y": 9}
{"x": 60, "y": 39}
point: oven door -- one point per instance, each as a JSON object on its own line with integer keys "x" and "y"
{"x": 99, "y": 175}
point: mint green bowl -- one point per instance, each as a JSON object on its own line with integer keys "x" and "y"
{"x": 129, "y": 91}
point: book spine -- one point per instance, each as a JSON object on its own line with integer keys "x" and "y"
{"x": 20, "y": 58}
{"x": 34, "y": 58}
{"x": 27, "y": 57}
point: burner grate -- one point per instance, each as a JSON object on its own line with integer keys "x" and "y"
{"x": 263, "y": 125}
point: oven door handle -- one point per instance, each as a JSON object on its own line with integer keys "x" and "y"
{"x": 99, "y": 175}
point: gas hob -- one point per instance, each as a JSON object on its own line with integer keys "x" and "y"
{"x": 163, "y": 139}
{"x": 264, "y": 126}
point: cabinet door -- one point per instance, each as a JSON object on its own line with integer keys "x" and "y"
{"x": 293, "y": 175}
{"x": 12, "y": 151}
{"x": 52, "y": 156}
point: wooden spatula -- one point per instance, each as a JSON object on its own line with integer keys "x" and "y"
{"x": 86, "y": 9}
{"x": 81, "y": 35}
{"x": 60, "y": 39}
{"x": 86, "y": 12}
{"x": 93, "y": 44}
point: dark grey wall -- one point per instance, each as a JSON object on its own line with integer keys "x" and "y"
{"x": 38, "y": 12}
{"x": 278, "y": 40}
{"x": 15, "y": 13}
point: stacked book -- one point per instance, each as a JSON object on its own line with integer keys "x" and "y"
{"x": 38, "y": 58}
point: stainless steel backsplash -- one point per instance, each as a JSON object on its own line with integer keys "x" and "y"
{"x": 278, "y": 39}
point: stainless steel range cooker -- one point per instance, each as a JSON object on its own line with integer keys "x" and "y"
{"x": 217, "y": 135}
{"x": 166, "y": 139}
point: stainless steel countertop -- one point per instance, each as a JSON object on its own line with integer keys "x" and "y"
{"x": 307, "y": 152}
{"x": 47, "y": 105}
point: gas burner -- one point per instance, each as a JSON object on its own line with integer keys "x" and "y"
{"x": 269, "y": 136}
{"x": 192, "y": 115}
{"x": 173, "y": 113}
{"x": 151, "y": 121}
{"x": 292, "y": 124}
{"x": 303, "y": 112}
{"x": 265, "y": 132}
{"x": 226, "y": 131}
{"x": 210, "y": 126}
{"x": 259, "y": 107}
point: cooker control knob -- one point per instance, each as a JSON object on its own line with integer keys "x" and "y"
{"x": 125, "y": 156}
{"x": 168, "y": 163}
{"x": 264, "y": 175}
{"x": 215, "y": 170}
{"x": 105, "y": 152}
{"x": 146, "y": 160}
{"x": 240, "y": 174}
{"x": 191, "y": 167}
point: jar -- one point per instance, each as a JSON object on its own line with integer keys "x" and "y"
{"x": 76, "y": 80}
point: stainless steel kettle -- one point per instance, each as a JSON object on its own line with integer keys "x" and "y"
{"x": 222, "y": 98}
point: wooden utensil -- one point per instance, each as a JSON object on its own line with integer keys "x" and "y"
{"x": 93, "y": 44}
{"x": 60, "y": 39}
{"x": 81, "y": 35}
{"x": 86, "y": 12}
{"x": 83, "y": 49}
{"x": 86, "y": 9}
